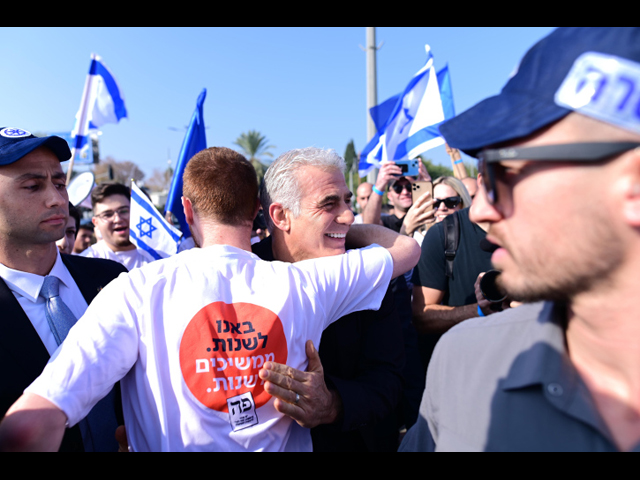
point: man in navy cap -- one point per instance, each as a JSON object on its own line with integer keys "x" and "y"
{"x": 559, "y": 154}
{"x": 34, "y": 210}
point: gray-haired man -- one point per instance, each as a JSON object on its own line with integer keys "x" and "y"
{"x": 350, "y": 404}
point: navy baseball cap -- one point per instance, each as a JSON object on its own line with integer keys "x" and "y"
{"x": 15, "y": 143}
{"x": 594, "y": 71}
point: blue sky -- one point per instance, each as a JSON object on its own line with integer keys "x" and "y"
{"x": 298, "y": 86}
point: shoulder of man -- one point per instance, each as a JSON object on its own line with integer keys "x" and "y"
{"x": 93, "y": 266}
{"x": 475, "y": 361}
{"x": 497, "y": 339}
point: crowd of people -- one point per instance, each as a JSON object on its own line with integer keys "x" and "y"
{"x": 481, "y": 314}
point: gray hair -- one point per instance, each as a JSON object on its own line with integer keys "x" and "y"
{"x": 281, "y": 180}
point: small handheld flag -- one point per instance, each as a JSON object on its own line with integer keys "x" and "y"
{"x": 148, "y": 230}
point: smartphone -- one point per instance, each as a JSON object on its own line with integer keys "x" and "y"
{"x": 420, "y": 188}
{"x": 410, "y": 168}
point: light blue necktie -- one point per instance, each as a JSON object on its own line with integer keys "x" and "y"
{"x": 98, "y": 429}
{"x": 60, "y": 318}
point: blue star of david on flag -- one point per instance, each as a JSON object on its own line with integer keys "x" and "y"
{"x": 141, "y": 227}
{"x": 149, "y": 230}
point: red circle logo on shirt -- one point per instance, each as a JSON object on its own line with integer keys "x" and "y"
{"x": 224, "y": 348}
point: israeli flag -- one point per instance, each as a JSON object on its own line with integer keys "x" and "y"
{"x": 102, "y": 103}
{"x": 412, "y": 127}
{"x": 148, "y": 230}
{"x": 194, "y": 142}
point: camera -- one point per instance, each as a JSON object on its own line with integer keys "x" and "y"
{"x": 490, "y": 288}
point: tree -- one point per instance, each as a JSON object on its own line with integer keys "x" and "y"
{"x": 255, "y": 145}
{"x": 160, "y": 180}
{"x": 121, "y": 172}
{"x": 351, "y": 159}
{"x": 436, "y": 171}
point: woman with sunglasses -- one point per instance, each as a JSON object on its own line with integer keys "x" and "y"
{"x": 450, "y": 196}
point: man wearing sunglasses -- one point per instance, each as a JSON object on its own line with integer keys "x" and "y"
{"x": 111, "y": 214}
{"x": 405, "y": 219}
{"x": 559, "y": 152}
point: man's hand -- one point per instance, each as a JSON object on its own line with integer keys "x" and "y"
{"x": 484, "y": 304}
{"x": 487, "y": 307}
{"x": 454, "y": 153}
{"x": 121, "y": 438}
{"x": 389, "y": 172}
{"x": 303, "y": 396}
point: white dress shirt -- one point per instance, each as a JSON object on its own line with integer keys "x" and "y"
{"x": 26, "y": 288}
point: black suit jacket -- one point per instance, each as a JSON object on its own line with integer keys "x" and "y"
{"x": 23, "y": 356}
{"x": 363, "y": 358}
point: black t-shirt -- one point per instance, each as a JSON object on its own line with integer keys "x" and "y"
{"x": 470, "y": 261}
{"x": 392, "y": 222}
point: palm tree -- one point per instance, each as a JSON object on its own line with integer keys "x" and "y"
{"x": 255, "y": 145}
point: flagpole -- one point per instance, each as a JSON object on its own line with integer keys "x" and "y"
{"x": 372, "y": 90}
{"x": 84, "y": 104}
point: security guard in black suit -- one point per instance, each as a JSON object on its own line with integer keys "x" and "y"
{"x": 33, "y": 216}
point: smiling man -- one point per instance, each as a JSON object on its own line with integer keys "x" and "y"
{"x": 111, "y": 214}
{"x": 310, "y": 217}
{"x": 349, "y": 395}
{"x": 559, "y": 154}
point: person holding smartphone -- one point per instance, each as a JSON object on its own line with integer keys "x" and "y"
{"x": 400, "y": 193}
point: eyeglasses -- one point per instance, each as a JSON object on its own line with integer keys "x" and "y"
{"x": 399, "y": 188}
{"x": 575, "y": 152}
{"x": 451, "y": 202}
{"x": 109, "y": 215}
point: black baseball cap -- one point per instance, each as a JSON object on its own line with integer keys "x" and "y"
{"x": 594, "y": 71}
{"x": 15, "y": 143}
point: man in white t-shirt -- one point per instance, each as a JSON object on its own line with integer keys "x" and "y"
{"x": 111, "y": 210}
{"x": 189, "y": 335}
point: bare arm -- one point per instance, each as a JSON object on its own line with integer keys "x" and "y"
{"x": 459, "y": 170}
{"x": 405, "y": 251}
{"x": 33, "y": 424}
{"x": 430, "y": 316}
{"x": 372, "y": 214}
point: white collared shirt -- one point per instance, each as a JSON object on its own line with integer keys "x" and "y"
{"x": 26, "y": 288}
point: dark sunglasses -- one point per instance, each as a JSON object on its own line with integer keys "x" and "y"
{"x": 399, "y": 188}
{"x": 451, "y": 202}
{"x": 575, "y": 152}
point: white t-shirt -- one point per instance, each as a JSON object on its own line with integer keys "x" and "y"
{"x": 131, "y": 259}
{"x": 188, "y": 336}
